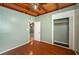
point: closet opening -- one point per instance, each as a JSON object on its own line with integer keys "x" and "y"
{"x": 61, "y": 32}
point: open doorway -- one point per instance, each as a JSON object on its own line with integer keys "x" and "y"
{"x": 31, "y": 31}
{"x": 34, "y": 31}
{"x": 61, "y": 32}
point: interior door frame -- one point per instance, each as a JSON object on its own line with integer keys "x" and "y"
{"x": 67, "y": 14}
{"x": 67, "y": 29}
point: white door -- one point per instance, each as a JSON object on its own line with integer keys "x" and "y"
{"x": 37, "y": 31}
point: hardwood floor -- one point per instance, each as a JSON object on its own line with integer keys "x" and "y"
{"x": 39, "y": 48}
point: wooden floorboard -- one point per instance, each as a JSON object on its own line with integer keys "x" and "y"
{"x": 39, "y": 48}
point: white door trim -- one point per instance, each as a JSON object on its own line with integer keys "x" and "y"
{"x": 66, "y": 14}
{"x": 37, "y": 31}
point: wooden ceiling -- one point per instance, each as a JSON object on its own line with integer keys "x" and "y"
{"x": 43, "y": 7}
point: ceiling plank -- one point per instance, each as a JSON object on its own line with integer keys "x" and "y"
{"x": 26, "y": 6}
{"x": 1, "y": 4}
{"x": 64, "y": 5}
{"x": 17, "y": 8}
{"x": 41, "y": 7}
{"x": 59, "y": 8}
{"x": 48, "y": 7}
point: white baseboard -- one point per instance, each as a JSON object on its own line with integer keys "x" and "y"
{"x": 45, "y": 42}
{"x": 54, "y": 44}
{"x": 61, "y": 42}
{"x": 13, "y": 47}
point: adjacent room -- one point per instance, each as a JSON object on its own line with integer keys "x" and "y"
{"x": 39, "y": 29}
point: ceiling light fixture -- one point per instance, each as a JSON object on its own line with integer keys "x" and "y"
{"x": 35, "y": 6}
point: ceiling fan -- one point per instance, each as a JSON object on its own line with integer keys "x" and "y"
{"x": 35, "y": 6}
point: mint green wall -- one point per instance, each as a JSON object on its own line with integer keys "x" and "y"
{"x": 46, "y": 30}
{"x": 13, "y": 28}
{"x": 46, "y": 24}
